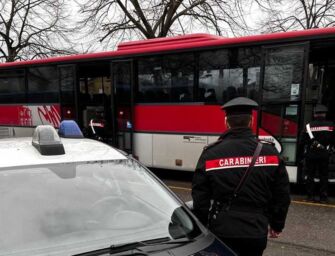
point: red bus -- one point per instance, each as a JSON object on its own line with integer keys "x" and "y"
{"x": 161, "y": 97}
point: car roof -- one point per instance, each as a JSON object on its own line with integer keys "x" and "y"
{"x": 20, "y": 152}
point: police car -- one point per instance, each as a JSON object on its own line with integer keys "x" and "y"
{"x": 67, "y": 195}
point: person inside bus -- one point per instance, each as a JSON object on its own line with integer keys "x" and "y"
{"x": 229, "y": 94}
{"x": 210, "y": 95}
{"x": 317, "y": 140}
{"x": 98, "y": 127}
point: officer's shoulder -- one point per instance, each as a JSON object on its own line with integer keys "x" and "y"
{"x": 212, "y": 145}
{"x": 267, "y": 144}
{"x": 217, "y": 142}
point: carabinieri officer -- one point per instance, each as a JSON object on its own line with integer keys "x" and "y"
{"x": 240, "y": 186}
{"x": 318, "y": 139}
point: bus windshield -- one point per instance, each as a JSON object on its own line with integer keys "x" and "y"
{"x": 78, "y": 207}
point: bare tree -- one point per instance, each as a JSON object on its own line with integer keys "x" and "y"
{"x": 33, "y": 28}
{"x": 129, "y": 19}
{"x": 297, "y": 14}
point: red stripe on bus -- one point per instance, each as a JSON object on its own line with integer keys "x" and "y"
{"x": 200, "y": 119}
{"x": 241, "y": 161}
{"x": 180, "y": 118}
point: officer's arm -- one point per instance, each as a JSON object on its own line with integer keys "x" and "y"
{"x": 280, "y": 199}
{"x": 201, "y": 191}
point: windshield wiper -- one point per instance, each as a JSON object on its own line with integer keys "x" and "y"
{"x": 135, "y": 245}
{"x": 153, "y": 242}
{"x": 115, "y": 249}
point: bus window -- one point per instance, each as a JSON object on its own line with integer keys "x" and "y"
{"x": 233, "y": 84}
{"x": 12, "y": 88}
{"x": 253, "y": 83}
{"x": 43, "y": 85}
{"x": 67, "y": 84}
{"x": 167, "y": 78}
{"x": 211, "y": 75}
{"x": 226, "y": 74}
{"x": 283, "y": 73}
{"x": 96, "y": 90}
{"x": 152, "y": 78}
{"x": 181, "y": 68}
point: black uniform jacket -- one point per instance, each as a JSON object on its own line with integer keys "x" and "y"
{"x": 264, "y": 198}
{"x": 324, "y": 133}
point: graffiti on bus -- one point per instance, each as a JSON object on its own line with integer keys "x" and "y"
{"x": 25, "y": 116}
{"x": 49, "y": 114}
{"x": 30, "y": 115}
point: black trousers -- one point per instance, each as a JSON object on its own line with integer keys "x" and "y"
{"x": 246, "y": 246}
{"x": 314, "y": 166}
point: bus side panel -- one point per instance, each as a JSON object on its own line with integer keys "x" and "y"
{"x": 292, "y": 173}
{"x": 175, "y": 135}
{"x": 143, "y": 148}
{"x": 212, "y": 139}
{"x": 179, "y": 133}
{"x": 179, "y": 152}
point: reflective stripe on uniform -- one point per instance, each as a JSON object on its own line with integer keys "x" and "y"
{"x": 240, "y": 162}
{"x": 308, "y": 129}
{"x": 322, "y": 129}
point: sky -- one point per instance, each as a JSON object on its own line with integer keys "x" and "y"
{"x": 86, "y": 42}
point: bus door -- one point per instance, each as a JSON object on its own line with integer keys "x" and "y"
{"x": 282, "y": 89}
{"x": 94, "y": 99}
{"x": 122, "y": 105}
{"x": 67, "y": 85}
{"x": 321, "y": 86}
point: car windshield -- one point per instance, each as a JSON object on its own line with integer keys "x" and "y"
{"x": 63, "y": 209}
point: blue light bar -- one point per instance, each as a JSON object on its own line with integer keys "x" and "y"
{"x": 70, "y": 129}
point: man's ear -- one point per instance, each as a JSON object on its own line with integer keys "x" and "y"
{"x": 226, "y": 122}
{"x": 251, "y": 122}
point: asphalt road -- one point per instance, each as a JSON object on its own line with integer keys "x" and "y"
{"x": 310, "y": 227}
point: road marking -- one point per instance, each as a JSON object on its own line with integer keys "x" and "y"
{"x": 180, "y": 188}
{"x": 313, "y": 204}
{"x": 316, "y": 250}
{"x": 293, "y": 201}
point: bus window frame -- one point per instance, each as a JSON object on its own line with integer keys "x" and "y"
{"x": 25, "y": 84}
{"x": 133, "y": 85}
{"x": 75, "y": 88}
{"x": 162, "y": 59}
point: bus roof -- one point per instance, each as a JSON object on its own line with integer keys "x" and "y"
{"x": 191, "y": 41}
